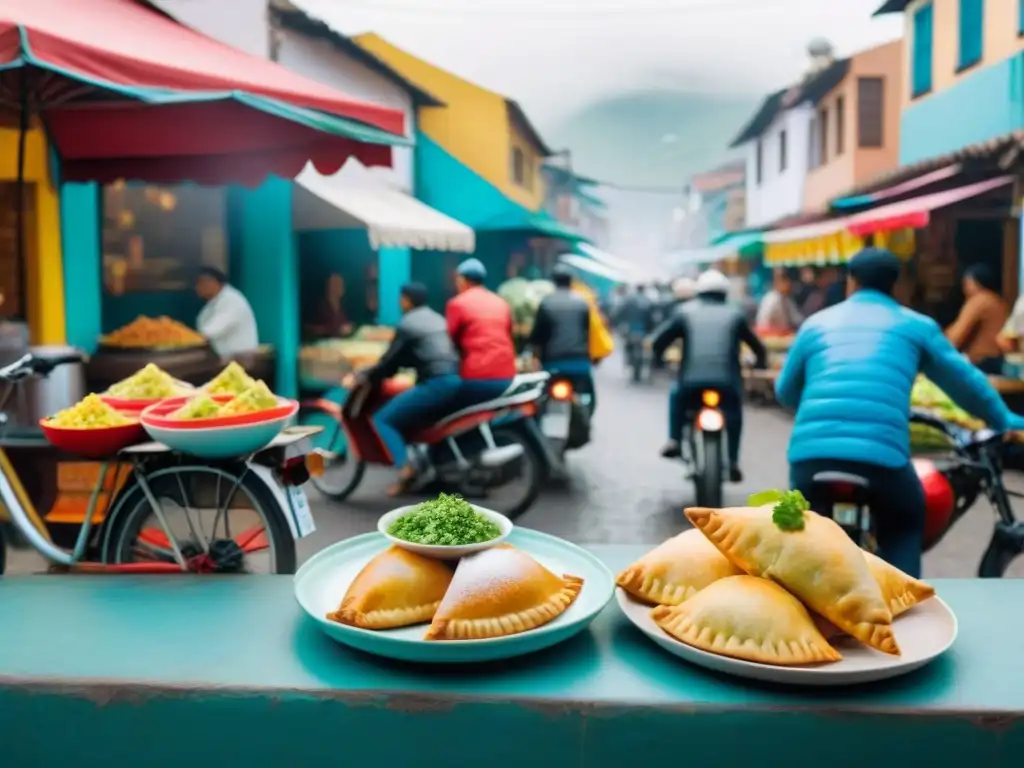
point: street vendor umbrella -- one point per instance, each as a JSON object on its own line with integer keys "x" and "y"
{"x": 125, "y": 92}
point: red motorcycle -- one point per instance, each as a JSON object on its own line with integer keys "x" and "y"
{"x": 492, "y": 451}
{"x": 951, "y": 486}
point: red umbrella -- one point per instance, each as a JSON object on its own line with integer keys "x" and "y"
{"x": 124, "y": 91}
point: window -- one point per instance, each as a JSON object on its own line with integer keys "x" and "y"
{"x": 840, "y": 125}
{"x": 522, "y": 174}
{"x": 871, "y": 112}
{"x": 759, "y": 162}
{"x": 972, "y": 34}
{"x": 823, "y": 136}
{"x": 782, "y": 151}
{"x": 154, "y": 238}
{"x": 921, "y": 58}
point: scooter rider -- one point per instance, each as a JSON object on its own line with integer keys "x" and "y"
{"x": 712, "y": 331}
{"x": 422, "y": 343}
{"x": 561, "y": 333}
{"x": 849, "y": 374}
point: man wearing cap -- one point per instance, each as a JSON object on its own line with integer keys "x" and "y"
{"x": 480, "y": 324}
{"x": 711, "y": 330}
{"x": 849, "y": 375}
{"x": 421, "y": 343}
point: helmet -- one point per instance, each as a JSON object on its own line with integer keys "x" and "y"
{"x": 712, "y": 281}
{"x": 684, "y": 288}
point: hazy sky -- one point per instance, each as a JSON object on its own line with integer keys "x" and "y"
{"x": 556, "y": 55}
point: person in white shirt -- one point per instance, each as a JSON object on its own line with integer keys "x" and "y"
{"x": 227, "y": 319}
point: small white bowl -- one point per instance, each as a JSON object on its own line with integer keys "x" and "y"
{"x": 438, "y": 551}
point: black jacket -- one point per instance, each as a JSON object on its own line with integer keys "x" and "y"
{"x": 561, "y": 330}
{"x": 635, "y": 314}
{"x": 422, "y": 343}
{"x": 711, "y": 331}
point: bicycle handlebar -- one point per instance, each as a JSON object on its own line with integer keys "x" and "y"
{"x": 30, "y": 365}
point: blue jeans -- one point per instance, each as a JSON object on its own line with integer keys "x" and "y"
{"x": 416, "y": 408}
{"x": 474, "y": 391}
{"x": 579, "y": 370}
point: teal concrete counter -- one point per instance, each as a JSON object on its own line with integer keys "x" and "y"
{"x": 225, "y": 671}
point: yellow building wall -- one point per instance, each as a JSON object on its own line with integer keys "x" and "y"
{"x": 1001, "y": 41}
{"x": 474, "y": 127}
{"x": 533, "y": 196}
{"x": 44, "y": 275}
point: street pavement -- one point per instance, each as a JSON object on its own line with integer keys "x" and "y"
{"x": 621, "y": 491}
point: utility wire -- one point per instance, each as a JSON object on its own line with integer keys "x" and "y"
{"x": 576, "y": 13}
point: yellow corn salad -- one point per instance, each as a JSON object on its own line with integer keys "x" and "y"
{"x": 150, "y": 383}
{"x": 201, "y": 407}
{"x": 90, "y": 413}
{"x": 257, "y": 398}
{"x": 233, "y": 380}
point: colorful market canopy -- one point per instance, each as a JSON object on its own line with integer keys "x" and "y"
{"x": 125, "y": 91}
{"x": 519, "y": 219}
{"x": 916, "y": 212}
{"x": 392, "y": 218}
{"x": 911, "y": 185}
{"x": 615, "y": 263}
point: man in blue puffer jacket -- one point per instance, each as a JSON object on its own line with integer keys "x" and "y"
{"x": 849, "y": 374}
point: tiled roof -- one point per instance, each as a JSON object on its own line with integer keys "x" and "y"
{"x": 1002, "y": 152}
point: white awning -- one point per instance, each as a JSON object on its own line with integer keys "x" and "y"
{"x": 584, "y": 264}
{"x": 353, "y": 197}
{"x": 608, "y": 260}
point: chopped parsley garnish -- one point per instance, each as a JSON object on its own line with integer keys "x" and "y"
{"x": 448, "y": 520}
{"x": 788, "y": 513}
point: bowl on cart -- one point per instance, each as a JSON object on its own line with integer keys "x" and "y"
{"x": 221, "y": 437}
{"x": 95, "y": 443}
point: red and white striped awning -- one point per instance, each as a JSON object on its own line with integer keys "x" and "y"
{"x": 916, "y": 212}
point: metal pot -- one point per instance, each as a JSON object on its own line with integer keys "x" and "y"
{"x": 42, "y": 397}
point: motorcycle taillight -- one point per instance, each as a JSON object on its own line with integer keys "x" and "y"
{"x": 842, "y": 491}
{"x": 294, "y": 471}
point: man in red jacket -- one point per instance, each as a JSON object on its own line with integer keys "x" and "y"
{"x": 480, "y": 324}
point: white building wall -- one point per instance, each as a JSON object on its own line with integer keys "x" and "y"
{"x": 780, "y": 192}
{"x": 239, "y": 23}
{"x": 246, "y": 26}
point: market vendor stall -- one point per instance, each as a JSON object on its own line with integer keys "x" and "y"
{"x": 609, "y": 697}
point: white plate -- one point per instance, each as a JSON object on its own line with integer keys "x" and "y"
{"x": 924, "y": 633}
{"x": 321, "y": 583}
{"x": 439, "y": 551}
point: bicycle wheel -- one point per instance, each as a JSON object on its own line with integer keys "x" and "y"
{"x": 245, "y": 530}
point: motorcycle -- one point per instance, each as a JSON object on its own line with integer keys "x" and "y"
{"x": 706, "y": 439}
{"x": 565, "y": 417}
{"x": 638, "y": 357}
{"x": 951, "y": 486}
{"x": 476, "y": 451}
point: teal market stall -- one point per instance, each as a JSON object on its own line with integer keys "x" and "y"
{"x": 599, "y": 277}
{"x": 511, "y": 240}
{"x": 354, "y": 224}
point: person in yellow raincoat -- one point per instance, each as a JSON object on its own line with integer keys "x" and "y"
{"x": 602, "y": 343}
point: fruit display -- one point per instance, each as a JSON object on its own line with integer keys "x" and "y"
{"x": 524, "y": 297}
{"x": 378, "y": 333}
{"x": 328, "y": 361}
{"x": 153, "y": 333}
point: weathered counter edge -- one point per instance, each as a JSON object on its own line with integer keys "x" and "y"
{"x": 105, "y": 692}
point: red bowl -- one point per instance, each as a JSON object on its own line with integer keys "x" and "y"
{"x": 94, "y": 443}
{"x": 157, "y": 415}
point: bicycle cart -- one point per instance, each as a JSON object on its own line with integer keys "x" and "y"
{"x": 151, "y": 509}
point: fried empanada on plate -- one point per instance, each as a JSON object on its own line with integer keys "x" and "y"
{"x": 676, "y": 570}
{"x": 501, "y": 591}
{"x": 397, "y": 588}
{"x": 900, "y": 591}
{"x": 747, "y": 618}
{"x": 819, "y": 564}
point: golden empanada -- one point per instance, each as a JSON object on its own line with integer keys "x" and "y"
{"x": 819, "y": 564}
{"x": 676, "y": 570}
{"x": 901, "y": 591}
{"x": 501, "y": 591}
{"x": 747, "y": 618}
{"x": 395, "y": 589}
